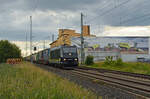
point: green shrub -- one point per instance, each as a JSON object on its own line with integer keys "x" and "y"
{"x": 89, "y": 60}
{"x": 109, "y": 60}
{"x": 119, "y": 62}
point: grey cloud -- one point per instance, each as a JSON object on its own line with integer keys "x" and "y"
{"x": 59, "y": 4}
{"x": 131, "y": 10}
{"x": 48, "y": 25}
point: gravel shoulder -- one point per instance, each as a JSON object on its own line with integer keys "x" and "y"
{"x": 100, "y": 88}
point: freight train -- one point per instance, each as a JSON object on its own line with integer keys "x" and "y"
{"x": 62, "y": 56}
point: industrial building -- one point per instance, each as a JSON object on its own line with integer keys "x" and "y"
{"x": 65, "y": 35}
{"x": 130, "y": 49}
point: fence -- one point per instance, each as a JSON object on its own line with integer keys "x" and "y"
{"x": 14, "y": 61}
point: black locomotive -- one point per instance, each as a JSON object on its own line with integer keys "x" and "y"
{"x": 62, "y": 56}
{"x": 65, "y": 56}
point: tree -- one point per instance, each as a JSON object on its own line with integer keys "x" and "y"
{"x": 8, "y": 50}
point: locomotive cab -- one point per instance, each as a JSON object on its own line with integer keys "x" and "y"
{"x": 69, "y": 55}
{"x": 65, "y": 56}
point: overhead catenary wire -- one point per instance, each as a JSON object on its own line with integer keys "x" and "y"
{"x": 35, "y": 5}
{"x": 135, "y": 18}
{"x": 108, "y": 11}
{"x": 100, "y": 8}
{"x": 104, "y": 6}
{"x": 141, "y": 20}
{"x": 138, "y": 18}
{"x": 133, "y": 11}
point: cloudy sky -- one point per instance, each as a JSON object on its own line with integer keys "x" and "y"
{"x": 50, "y": 15}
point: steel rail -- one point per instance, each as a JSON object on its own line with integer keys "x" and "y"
{"x": 137, "y": 87}
{"x": 137, "y": 75}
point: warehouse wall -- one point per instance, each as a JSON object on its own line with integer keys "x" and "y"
{"x": 133, "y": 57}
{"x": 100, "y": 55}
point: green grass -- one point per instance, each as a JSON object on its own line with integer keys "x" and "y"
{"x": 25, "y": 81}
{"x": 142, "y": 68}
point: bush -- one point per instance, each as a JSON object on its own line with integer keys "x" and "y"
{"x": 109, "y": 60}
{"x": 89, "y": 60}
{"x": 119, "y": 62}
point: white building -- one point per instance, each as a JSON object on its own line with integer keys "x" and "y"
{"x": 128, "y": 48}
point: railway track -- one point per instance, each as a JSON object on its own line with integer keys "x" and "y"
{"x": 130, "y": 84}
{"x": 142, "y": 76}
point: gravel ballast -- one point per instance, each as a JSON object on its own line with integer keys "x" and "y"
{"x": 100, "y": 88}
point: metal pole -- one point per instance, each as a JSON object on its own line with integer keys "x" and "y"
{"x": 82, "y": 41}
{"x": 26, "y": 44}
{"x": 31, "y": 38}
{"x": 44, "y": 45}
{"x": 52, "y": 37}
{"x": 63, "y": 36}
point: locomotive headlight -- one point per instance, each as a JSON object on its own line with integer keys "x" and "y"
{"x": 75, "y": 59}
{"x": 70, "y": 54}
{"x": 64, "y": 59}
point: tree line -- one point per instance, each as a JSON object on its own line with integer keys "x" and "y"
{"x": 8, "y": 50}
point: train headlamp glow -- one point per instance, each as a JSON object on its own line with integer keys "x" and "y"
{"x": 64, "y": 59}
{"x": 76, "y": 59}
{"x": 70, "y": 54}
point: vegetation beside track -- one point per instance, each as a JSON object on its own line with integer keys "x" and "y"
{"x": 134, "y": 67}
{"x": 8, "y": 50}
{"x": 26, "y": 81}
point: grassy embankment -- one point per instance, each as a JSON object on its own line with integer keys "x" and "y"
{"x": 142, "y": 68}
{"x": 25, "y": 81}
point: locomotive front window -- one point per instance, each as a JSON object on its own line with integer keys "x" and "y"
{"x": 69, "y": 50}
